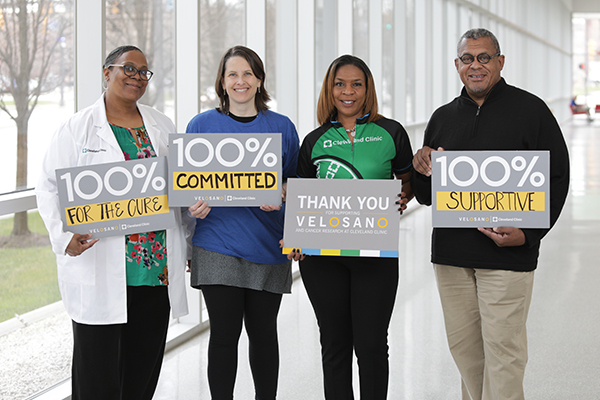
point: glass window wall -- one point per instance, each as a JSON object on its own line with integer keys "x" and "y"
{"x": 36, "y": 96}
{"x": 149, "y": 25}
{"x": 221, "y": 26}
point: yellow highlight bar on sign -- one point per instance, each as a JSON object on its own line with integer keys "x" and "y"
{"x": 491, "y": 201}
{"x": 235, "y": 180}
{"x": 114, "y": 210}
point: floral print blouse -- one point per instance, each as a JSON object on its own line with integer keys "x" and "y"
{"x": 146, "y": 253}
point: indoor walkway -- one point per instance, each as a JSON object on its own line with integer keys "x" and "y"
{"x": 563, "y": 325}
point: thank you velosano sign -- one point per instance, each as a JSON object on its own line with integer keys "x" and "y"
{"x": 342, "y": 217}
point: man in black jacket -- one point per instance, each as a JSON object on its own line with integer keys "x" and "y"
{"x": 485, "y": 275}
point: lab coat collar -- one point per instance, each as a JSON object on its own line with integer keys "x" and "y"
{"x": 104, "y": 130}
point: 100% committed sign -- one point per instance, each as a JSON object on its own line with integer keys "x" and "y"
{"x": 115, "y": 198}
{"x": 225, "y": 169}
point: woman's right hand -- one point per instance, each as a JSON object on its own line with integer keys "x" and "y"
{"x": 293, "y": 255}
{"x": 79, "y": 243}
{"x": 199, "y": 210}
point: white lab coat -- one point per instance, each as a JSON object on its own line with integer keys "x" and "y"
{"x": 93, "y": 285}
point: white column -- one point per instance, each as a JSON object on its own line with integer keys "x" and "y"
{"x": 256, "y": 14}
{"x": 287, "y": 60}
{"x": 376, "y": 46}
{"x": 306, "y": 68}
{"x": 400, "y": 61}
{"x": 187, "y": 102}
{"x": 439, "y": 58}
{"x": 187, "y": 62}
{"x": 89, "y": 51}
{"x": 345, "y": 27}
{"x": 421, "y": 68}
{"x": 453, "y": 33}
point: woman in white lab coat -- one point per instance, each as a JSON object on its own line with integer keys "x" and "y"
{"x": 117, "y": 290}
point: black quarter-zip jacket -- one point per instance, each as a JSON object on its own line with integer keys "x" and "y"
{"x": 509, "y": 119}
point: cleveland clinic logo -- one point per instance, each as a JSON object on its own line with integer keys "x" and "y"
{"x": 331, "y": 143}
{"x": 86, "y": 150}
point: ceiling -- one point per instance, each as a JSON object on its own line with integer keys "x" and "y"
{"x": 585, "y": 6}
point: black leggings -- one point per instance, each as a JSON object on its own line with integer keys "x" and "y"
{"x": 227, "y": 307}
{"x": 123, "y": 361}
{"x": 353, "y": 299}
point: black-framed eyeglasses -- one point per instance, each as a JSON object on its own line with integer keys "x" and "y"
{"x": 483, "y": 58}
{"x": 132, "y": 71}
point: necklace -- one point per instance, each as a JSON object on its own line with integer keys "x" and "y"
{"x": 352, "y": 131}
{"x": 137, "y": 136}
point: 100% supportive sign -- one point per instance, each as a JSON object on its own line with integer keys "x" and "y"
{"x": 225, "y": 169}
{"x": 490, "y": 189}
{"x": 115, "y": 198}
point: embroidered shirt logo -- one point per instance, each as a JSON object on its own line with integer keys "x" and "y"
{"x": 86, "y": 150}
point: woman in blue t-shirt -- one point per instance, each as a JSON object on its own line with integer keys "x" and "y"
{"x": 236, "y": 259}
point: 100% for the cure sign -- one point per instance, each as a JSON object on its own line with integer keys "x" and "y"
{"x": 225, "y": 169}
{"x": 490, "y": 188}
{"x": 115, "y": 198}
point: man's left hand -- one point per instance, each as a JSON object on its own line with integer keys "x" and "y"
{"x": 505, "y": 236}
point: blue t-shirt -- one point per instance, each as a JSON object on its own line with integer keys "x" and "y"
{"x": 246, "y": 232}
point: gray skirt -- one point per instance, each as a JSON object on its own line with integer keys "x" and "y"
{"x": 211, "y": 268}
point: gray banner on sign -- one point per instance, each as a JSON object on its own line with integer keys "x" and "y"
{"x": 490, "y": 189}
{"x": 114, "y": 199}
{"x": 347, "y": 217}
{"x": 225, "y": 169}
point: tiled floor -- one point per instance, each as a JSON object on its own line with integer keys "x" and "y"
{"x": 564, "y": 320}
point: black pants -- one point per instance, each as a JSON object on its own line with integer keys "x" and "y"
{"x": 353, "y": 299}
{"x": 227, "y": 307}
{"x": 123, "y": 361}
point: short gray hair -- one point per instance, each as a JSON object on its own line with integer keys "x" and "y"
{"x": 476, "y": 34}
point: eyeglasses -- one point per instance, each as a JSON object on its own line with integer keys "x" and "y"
{"x": 483, "y": 58}
{"x": 132, "y": 71}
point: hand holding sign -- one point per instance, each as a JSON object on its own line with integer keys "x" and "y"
{"x": 422, "y": 160}
{"x": 199, "y": 210}
{"x": 505, "y": 236}
{"x": 79, "y": 244}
